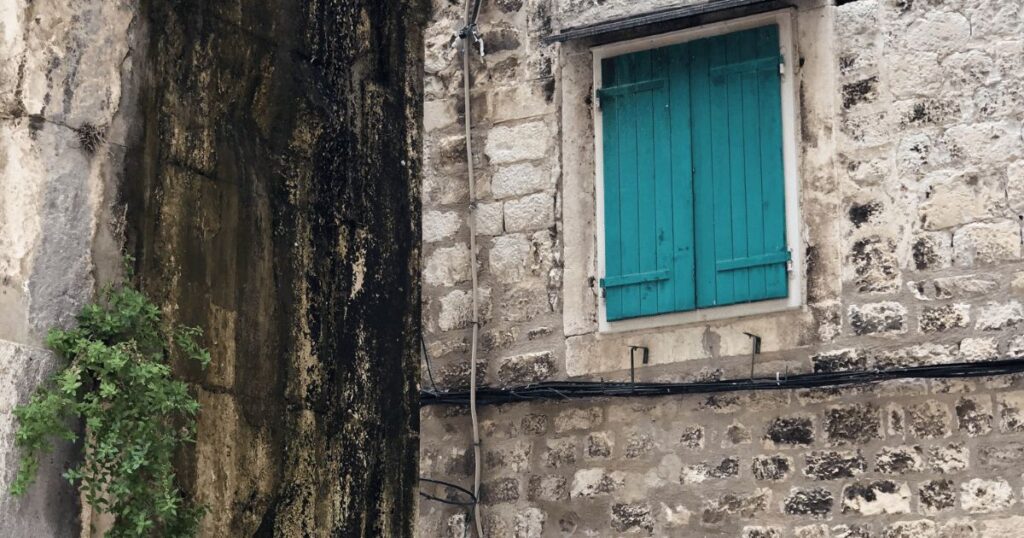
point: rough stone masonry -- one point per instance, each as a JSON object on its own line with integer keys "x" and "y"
{"x": 261, "y": 161}
{"x": 911, "y": 165}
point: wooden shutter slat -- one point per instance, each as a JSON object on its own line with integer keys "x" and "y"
{"x": 674, "y": 178}
{"x": 703, "y": 174}
{"x": 612, "y": 226}
{"x": 628, "y": 195}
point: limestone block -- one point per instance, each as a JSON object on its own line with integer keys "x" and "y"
{"x": 789, "y": 431}
{"x": 874, "y": 265}
{"x": 489, "y": 219}
{"x": 440, "y": 225}
{"x": 730, "y": 505}
{"x": 1011, "y": 412}
{"x": 525, "y": 301}
{"x": 922, "y": 528}
{"x": 812, "y": 531}
{"x": 457, "y": 309}
{"x": 834, "y": 465}
{"x": 937, "y": 495}
{"x": 945, "y": 317}
{"x": 985, "y": 243}
{"x": 527, "y": 368}
{"x": 878, "y": 318}
{"x": 509, "y": 257}
{"x": 522, "y": 101}
{"x": 438, "y": 114}
{"x": 442, "y": 188}
{"x": 447, "y": 266}
{"x": 814, "y": 502}
{"x": 632, "y": 517}
{"x": 937, "y": 31}
{"x": 532, "y": 212}
{"x": 986, "y": 143}
{"x": 909, "y": 73}
{"x": 529, "y": 523}
{"x": 969, "y": 69}
{"x": 520, "y": 179}
{"x": 853, "y": 424}
{"x": 949, "y": 459}
{"x": 560, "y": 453}
{"x": 440, "y": 54}
{"x": 917, "y": 152}
{"x": 974, "y": 415}
{"x": 599, "y": 445}
{"x": 502, "y": 490}
{"x": 980, "y": 496}
{"x": 899, "y": 460}
{"x": 960, "y": 199}
{"x": 928, "y": 420}
{"x": 594, "y": 482}
{"x": 774, "y": 468}
{"x": 979, "y": 349}
{"x": 548, "y": 488}
{"x": 675, "y": 516}
{"x": 996, "y": 316}
{"x": 839, "y": 360}
{"x": 876, "y": 498}
{"x": 528, "y": 141}
{"x": 963, "y": 287}
{"x": 1015, "y": 186}
{"x": 578, "y": 419}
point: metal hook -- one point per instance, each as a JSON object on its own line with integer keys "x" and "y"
{"x": 632, "y": 361}
{"x": 754, "y": 352}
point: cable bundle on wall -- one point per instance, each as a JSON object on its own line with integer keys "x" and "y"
{"x": 570, "y": 390}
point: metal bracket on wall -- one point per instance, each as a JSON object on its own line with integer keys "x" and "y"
{"x": 754, "y": 351}
{"x": 645, "y": 357}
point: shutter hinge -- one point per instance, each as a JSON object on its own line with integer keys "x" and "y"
{"x": 789, "y": 263}
{"x": 597, "y": 97}
{"x": 782, "y": 65}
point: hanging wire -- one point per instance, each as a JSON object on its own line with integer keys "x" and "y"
{"x": 460, "y": 489}
{"x": 468, "y": 35}
{"x": 426, "y": 358}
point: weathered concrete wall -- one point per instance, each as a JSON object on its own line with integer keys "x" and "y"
{"x": 911, "y": 158}
{"x": 66, "y": 103}
{"x": 275, "y": 202}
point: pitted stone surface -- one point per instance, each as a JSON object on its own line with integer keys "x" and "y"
{"x": 911, "y": 219}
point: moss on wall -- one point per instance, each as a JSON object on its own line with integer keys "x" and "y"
{"x": 274, "y": 200}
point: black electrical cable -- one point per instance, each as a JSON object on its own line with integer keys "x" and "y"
{"x": 430, "y": 369}
{"x": 476, "y": 11}
{"x": 567, "y": 390}
{"x": 472, "y": 498}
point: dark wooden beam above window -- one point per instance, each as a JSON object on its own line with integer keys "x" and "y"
{"x": 665, "y": 20}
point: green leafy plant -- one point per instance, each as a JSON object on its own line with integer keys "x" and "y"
{"x": 118, "y": 382}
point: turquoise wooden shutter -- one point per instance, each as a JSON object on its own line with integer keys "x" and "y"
{"x": 648, "y": 192}
{"x": 738, "y": 173}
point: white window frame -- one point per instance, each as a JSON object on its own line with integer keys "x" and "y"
{"x": 790, "y": 120}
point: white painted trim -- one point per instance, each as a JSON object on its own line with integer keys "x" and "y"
{"x": 784, "y": 19}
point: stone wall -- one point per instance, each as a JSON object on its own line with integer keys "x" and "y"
{"x": 911, "y": 163}
{"x": 67, "y": 87}
{"x": 276, "y": 205}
